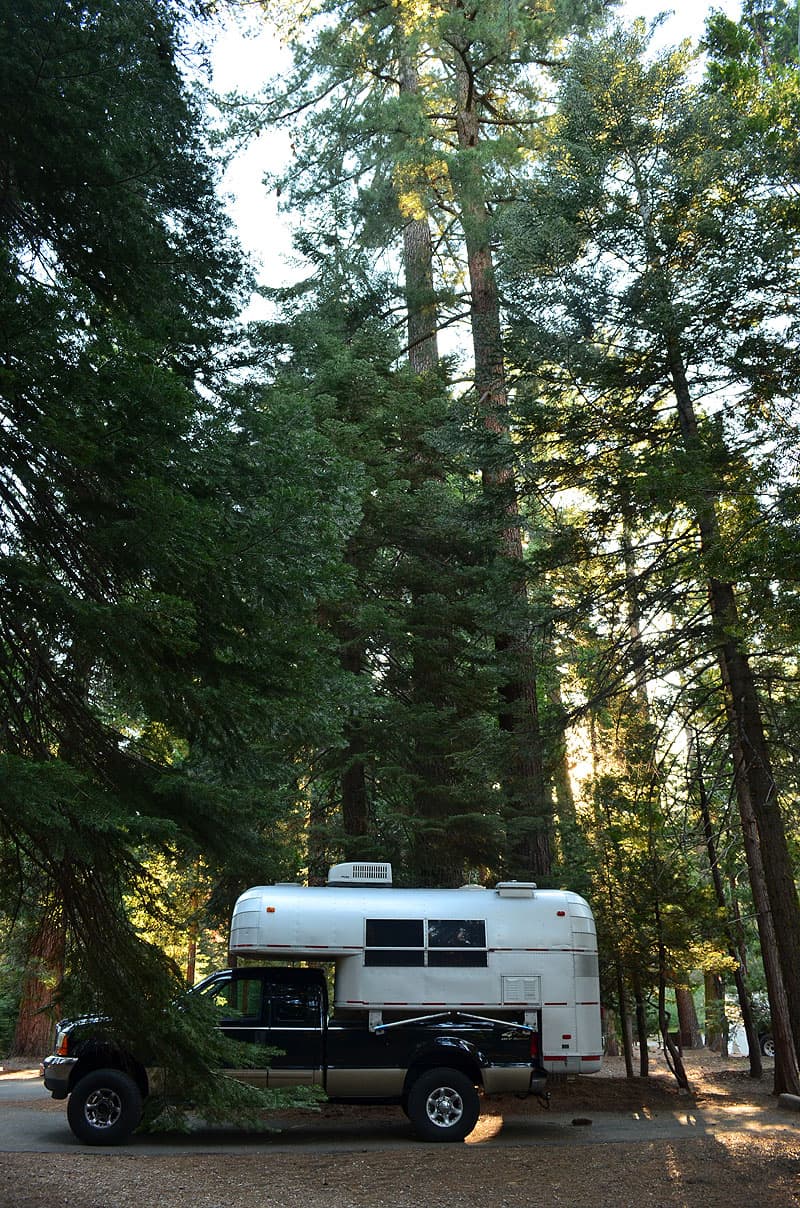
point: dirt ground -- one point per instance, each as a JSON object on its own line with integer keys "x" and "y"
{"x": 749, "y": 1164}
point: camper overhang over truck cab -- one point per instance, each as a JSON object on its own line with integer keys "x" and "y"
{"x": 513, "y": 952}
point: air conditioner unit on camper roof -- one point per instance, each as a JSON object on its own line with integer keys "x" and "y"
{"x": 360, "y": 873}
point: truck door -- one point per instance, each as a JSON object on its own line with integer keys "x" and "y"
{"x": 296, "y": 1028}
{"x": 241, "y": 1001}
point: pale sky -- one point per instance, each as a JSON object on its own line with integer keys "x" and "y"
{"x": 243, "y": 63}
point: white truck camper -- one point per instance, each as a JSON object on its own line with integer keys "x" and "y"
{"x": 514, "y": 952}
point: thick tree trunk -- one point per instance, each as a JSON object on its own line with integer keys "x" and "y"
{"x": 530, "y": 806}
{"x": 423, "y": 347}
{"x": 688, "y": 1024}
{"x": 432, "y": 859}
{"x": 787, "y": 1076}
{"x": 735, "y": 942}
{"x": 672, "y": 1051}
{"x": 353, "y": 783}
{"x": 756, "y": 789}
{"x": 641, "y": 1028}
{"x": 625, "y": 1021}
{"x": 714, "y": 1013}
{"x": 43, "y": 975}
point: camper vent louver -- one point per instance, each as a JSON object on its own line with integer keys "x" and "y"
{"x": 359, "y": 873}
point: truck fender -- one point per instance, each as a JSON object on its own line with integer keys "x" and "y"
{"x": 451, "y": 1051}
{"x": 101, "y": 1054}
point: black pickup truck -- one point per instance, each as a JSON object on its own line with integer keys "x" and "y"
{"x": 434, "y": 1066}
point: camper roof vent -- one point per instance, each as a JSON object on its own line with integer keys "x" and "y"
{"x": 516, "y": 889}
{"x": 360, "y": 873}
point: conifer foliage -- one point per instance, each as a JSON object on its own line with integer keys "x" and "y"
{"x": 166, "y": 537}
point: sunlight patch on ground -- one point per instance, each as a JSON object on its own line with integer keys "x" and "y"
{"x": 487, "y": 1127}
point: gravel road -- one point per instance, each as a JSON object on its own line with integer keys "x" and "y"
{"x": 608, "y": 1143}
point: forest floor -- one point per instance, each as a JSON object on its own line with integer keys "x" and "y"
{"x": 752, "y": 1158}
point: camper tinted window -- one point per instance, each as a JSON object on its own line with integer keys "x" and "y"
{"x": 395, "y": 933}
{"x": 395, "y": 942}
{"x": 456, "y": 933}
{"x": 457, "y": 943}
{"x": 388, "y": 957}
{"x": 463, "y": 958}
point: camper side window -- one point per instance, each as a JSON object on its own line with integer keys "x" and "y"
{"x": 402, "y": 942}
{"x": 395, "y": 942}
{"x": 458, "y": 942}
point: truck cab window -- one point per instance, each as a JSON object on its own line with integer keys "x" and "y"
{"x": 294, "y": 1006}
{"x": 243, "y": 1001}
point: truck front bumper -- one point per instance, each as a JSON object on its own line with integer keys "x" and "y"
{"x": 57, "y": 1071}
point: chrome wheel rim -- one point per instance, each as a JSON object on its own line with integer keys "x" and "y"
{"x": 444, "y": 1107}
{"x": 103, "y": 1108}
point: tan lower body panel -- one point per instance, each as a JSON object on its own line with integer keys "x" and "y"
{"x": 507, "y": 1080}
{"x": 365, "y": 1084}
{"x": 290, "y": 1077}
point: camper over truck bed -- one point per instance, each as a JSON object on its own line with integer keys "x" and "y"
{"x": 515, "y": 951}
{"x": 441, "y": 995}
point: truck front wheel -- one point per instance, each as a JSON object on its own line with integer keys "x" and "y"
{"x": 104, "y": 1107}
{"x": 443, "y": 1105}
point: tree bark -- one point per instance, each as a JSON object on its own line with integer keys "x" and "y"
{"x": 672, "y": 1051}
{"x": 530, "y": 806}
{"x": 43, "y": 975}
{"x": 353, "y": 781}
{"x": 422, "y": 320}
{"x": 625, "y": 1020}
{"x": 641, "y": 1027}
{"x": 688, "y": 1023}
{"x": 768, "y": 857}
{"x": 431, "y": 859}
{"x": 735, "y": 942}
{"x": 769, "y": 864}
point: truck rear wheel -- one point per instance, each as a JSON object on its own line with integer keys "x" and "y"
{"x": 443, "y": 1105}
{"x": 104, "y": 1107}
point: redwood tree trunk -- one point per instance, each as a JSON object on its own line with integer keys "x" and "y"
{"x": 530, "y": 807}
{"x": 43, "y": 975}
{"x": 354, "y": 799}
{"x": 769, "y": 863}
{"x": 641, "y": 1028}
{"x": 735, "y": 941}
{"x": 431, "y": 859}
{"x": 687, "y": 1019}
{"x": 625, "y": 1021}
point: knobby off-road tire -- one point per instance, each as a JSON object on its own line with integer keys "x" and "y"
{"x": 104, "y": 1108}
{"x": 443, "y": 1105}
